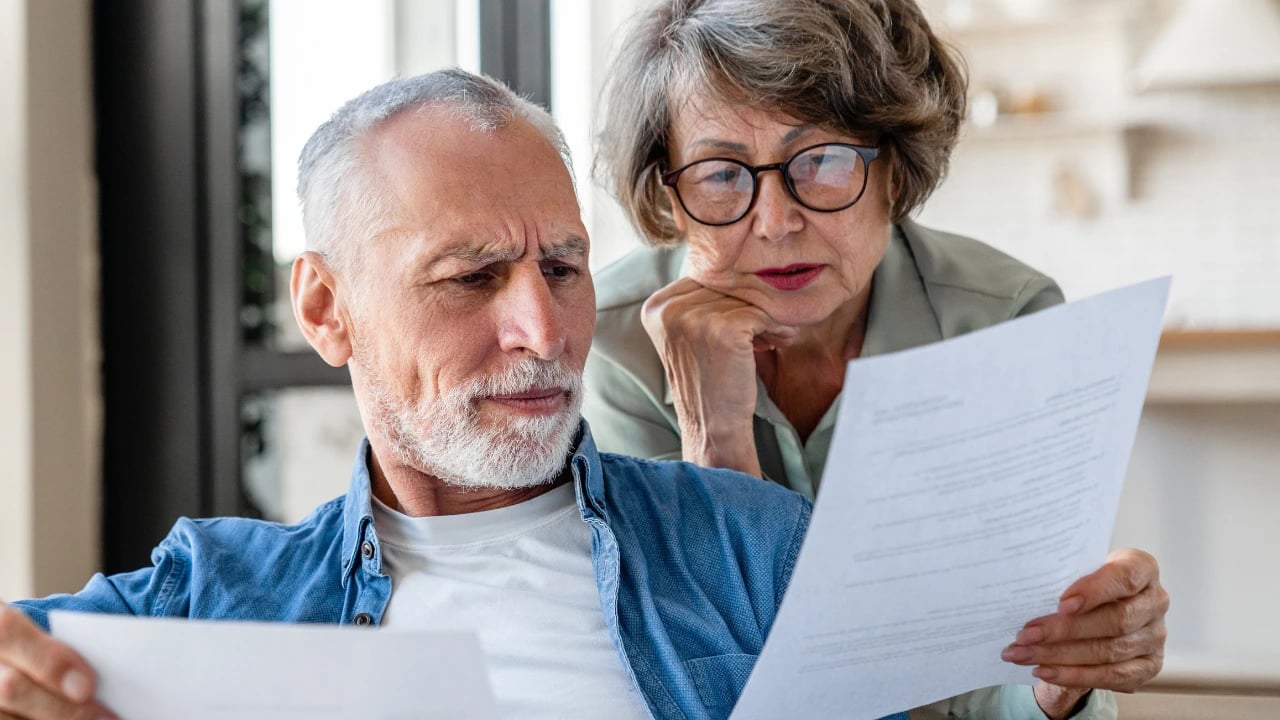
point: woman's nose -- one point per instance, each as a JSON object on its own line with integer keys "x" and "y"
{"x": 776, "y": 213}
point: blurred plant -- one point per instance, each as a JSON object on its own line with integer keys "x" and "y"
{"x": 253, "y": 84}
{"x": 257, "y": 327}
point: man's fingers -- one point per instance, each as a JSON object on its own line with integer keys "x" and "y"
{"x": 1126, "y": 572}
{"x": 1127, "y": 676}
{"x": 49, "y": 663}
{"x": 22, "y": 697}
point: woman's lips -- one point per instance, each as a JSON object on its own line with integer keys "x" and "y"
{"x": 791, "y": 277}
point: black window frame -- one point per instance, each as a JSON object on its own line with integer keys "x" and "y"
{"x": 175, "y": 362}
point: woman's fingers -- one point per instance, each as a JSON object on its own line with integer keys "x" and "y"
{"x": 1113, "y": 619}
{"x": 1109, "y": 631}
{"x": 1142, "y": 642}
{"x": 1127, "y": 676}
{"x": 1126, "y": 572}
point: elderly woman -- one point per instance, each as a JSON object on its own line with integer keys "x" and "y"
{"x": 772, "y": 152}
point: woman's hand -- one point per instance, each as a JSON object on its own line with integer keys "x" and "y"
{"x": 707, "y": 341}
{"x": 1108, "y": 633}
{"x": 41, "y": 678}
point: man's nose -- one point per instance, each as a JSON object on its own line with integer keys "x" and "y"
{"x": 776, "y": 213}
{"x": 529, "y": 316}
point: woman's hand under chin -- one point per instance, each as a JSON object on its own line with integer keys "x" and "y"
{"x": 707, "y": 342}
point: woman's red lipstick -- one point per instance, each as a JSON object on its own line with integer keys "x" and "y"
{"x": 791, "y": 277}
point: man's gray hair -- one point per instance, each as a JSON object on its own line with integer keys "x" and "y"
{"x": 340, "y": 202}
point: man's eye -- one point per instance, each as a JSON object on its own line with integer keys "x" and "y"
{"x": 561, "y": 272}
{"x": 473, "y": 279}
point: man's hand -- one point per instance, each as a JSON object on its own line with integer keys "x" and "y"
{"x": 707, "y": 341}
{"x": 41, "y": 678}
{"x": 1108, "y": 633}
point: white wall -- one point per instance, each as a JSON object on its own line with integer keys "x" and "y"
{"x": 15, "y": 396}
{"x": 49, "y": 395}
{"x": 584, "y": 37}
{"x": 1202, "y": 495}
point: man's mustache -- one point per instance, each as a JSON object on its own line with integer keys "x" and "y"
{"x": 525, "y": 375}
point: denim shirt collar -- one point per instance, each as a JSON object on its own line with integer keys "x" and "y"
{"x": 357, "y": 516}
{"x": 357, "y": 521}
{"x": 588, "y": 476}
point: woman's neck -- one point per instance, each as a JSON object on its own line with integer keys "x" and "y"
{"x": 806, "y": 376}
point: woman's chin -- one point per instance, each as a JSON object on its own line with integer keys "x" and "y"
{"x": 799, "y": 312}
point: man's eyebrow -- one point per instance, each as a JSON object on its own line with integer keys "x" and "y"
{"x": 573, "y": 246}
{"x": 476, "y": 255}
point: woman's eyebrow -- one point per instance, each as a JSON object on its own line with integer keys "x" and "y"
{"x": 742, "y": 147}
{"x": 720, "y": 144}
{"x": 795, "y": 133}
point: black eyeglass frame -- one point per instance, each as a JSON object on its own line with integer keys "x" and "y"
{"x": 868, "y": 154}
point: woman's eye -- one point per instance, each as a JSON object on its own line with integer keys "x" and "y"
{"x": 715, "y": 174}
{"x": 727, "y": 176}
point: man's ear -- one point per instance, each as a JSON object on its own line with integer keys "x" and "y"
{"x": 315, "y": 306}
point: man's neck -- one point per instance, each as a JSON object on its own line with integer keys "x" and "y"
{"x": 418, "y": 494}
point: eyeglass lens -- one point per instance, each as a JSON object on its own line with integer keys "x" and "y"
{"x": 826, "y": 177}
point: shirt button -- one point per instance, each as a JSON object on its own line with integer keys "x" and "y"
{"x": 366, "y": 550}
{"x": 363, "y": 619}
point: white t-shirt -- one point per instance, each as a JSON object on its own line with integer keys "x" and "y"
{"x": 522, "y": 578}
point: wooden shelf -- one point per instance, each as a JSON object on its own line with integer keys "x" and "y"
{"x": 1219, "y": 339}
{"x": 1208, "y": 672}
{"x": 1217, "y": 366}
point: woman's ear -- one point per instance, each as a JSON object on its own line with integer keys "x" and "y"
{"x": 677, "y": 211}
{"x": 314, "y": 290}
{"x": 892, "y": 183}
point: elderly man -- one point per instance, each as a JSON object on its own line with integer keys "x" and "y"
{"x": 448, "y": 271}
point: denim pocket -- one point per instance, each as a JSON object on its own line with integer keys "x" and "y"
{"x": 719, "y": 680}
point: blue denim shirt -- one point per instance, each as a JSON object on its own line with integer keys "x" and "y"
{"x": 691, "y": 564}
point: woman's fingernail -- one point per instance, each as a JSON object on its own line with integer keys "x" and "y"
{"x": 75, "y": 685}
{"x": 1071, "y": 605}
{"x": 1045, "y": 673}
{"x": 1030, "y": 636}
{"x": 1016, "y": 654}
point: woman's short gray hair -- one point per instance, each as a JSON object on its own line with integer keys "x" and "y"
{"x": 867, "y": 67}
{"x": 339, "y": 203}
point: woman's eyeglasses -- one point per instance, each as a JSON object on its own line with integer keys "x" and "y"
{"x": 721, "y": 191}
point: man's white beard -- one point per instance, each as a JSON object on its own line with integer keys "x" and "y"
{"x": 448, "y": 439}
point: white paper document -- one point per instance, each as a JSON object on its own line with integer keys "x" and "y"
{"x": 160, "y": 669}
{"x": 969, "y": 483}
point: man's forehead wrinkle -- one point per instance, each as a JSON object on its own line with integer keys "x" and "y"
{"x": 489, "y": 253}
